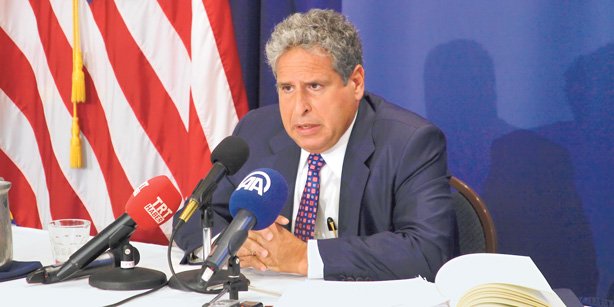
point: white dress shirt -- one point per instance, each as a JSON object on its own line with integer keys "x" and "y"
{"x": 328, "y": 204}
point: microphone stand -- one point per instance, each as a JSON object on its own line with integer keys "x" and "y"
{"x": 192, "y": 278}
{"x": 127, "y": 276}
{"x": 207, "y": 225}
{"x": 235, "y": 282}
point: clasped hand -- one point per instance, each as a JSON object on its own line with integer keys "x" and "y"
{"x": 274, "y": 248}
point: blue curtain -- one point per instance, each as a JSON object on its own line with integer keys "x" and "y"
{"x": 524, "y": 91}
{"x": 254, "y": 21}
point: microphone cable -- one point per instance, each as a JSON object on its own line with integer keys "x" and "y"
{"x": 173, "y": 274}
{"x": 170, "y": 262}
{"x": 138, "y": 295}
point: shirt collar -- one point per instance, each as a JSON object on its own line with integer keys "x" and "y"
{"x": 335, "y": 155}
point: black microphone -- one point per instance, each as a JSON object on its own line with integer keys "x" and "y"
{"x": 149, "y": 206}
{"x": 227, "y": 159}
{"x": 255, "y": 204}
{"x": 48, "y": 274}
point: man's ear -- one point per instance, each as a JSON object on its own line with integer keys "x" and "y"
{"x": 357, "y": 80}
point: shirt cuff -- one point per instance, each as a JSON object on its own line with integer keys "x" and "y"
{"x": 315, "y": 265}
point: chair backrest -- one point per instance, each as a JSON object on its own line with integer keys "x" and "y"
{"x": 476, "y": 230}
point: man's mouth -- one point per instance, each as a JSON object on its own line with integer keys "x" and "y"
{"x": 307, "y": 128}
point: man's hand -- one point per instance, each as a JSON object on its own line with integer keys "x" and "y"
{"x": 274, "y": 248}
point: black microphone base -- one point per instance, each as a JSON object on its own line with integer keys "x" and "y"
{"x": 192, "y": 277}
{"x": 127, "y": 279}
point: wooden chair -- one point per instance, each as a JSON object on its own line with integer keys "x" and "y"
{"x": 476, "y": 229}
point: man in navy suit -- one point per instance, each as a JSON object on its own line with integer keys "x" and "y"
{"x": 384, "y": 182}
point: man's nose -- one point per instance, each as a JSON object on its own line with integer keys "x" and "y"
{"x": 302, "y": 103}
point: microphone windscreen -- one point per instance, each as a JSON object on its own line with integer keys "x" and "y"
{"x": 153, "y": 202}
{"x": 263, "y": 193}
{"x": 232, "y": 152}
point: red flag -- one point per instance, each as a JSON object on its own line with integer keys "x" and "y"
{"x": 163, "y": 86}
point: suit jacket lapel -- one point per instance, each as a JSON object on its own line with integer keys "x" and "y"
{"x": 285, "y": 156}
{"x": 285, "y": 160}
{"x": 355, "y": 171}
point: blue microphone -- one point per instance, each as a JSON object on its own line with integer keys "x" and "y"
{"x": 255, "y": 204}
{"x": 263, "y": 193}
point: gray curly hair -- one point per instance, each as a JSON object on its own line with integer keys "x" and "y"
{"x": 325, "y": 29}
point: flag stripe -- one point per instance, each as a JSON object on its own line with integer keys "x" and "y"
{"x": 211, "y": 92}
{"x": 178, "y": 13}
{"x": 22, "y": 90}
{"x": 155, "y": 235}
{"x": 94, "y": 127}
{"x": 219, "y": 16}
{"x": 152, "y": 108}
{"x": 17, "y": 160}
{"x": 176, "y": 82}
{"x": 144, "y": 92}
{"x": 58, "y": 52}
{"x": 130, "y": 142}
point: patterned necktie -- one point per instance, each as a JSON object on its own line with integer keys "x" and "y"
{"x": 304, "y": 227}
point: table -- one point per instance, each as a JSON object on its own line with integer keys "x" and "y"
{"x": 33, "y": 245}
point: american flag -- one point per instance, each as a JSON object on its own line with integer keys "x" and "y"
{"x": 163, "y": 87}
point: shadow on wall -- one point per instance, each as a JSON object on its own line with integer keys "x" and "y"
{"x": 590, "y": 141}
{"x": 460, "y": 94}
{"x": 526, "y": 179}
{"x": 531, "y": 193}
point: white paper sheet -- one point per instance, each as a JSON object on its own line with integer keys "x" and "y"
{"x": 392, "y": 293}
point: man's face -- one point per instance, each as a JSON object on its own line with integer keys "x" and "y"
{"x": 316, "y": 107}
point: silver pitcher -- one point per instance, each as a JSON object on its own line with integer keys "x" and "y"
{"x": 6, "y": 236}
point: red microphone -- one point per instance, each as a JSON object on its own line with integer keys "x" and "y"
{"x": 151, "y": 204}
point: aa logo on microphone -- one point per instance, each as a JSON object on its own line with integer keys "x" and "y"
{"x": 256, "y": 181}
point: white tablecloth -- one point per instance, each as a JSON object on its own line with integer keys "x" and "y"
{"x": 33, "y": 245}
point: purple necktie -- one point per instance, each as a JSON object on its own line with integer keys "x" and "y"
{"x": 304, "y": 228}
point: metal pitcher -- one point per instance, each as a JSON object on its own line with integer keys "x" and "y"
{"x": 6, "y": 236}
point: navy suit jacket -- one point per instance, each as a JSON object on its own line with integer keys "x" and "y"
{"x": 395, "y": 211}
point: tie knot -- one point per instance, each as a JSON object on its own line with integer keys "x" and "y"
{"x": 316, "y": 161}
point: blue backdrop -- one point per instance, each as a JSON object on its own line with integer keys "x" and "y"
{"x": 524, "y": 91}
